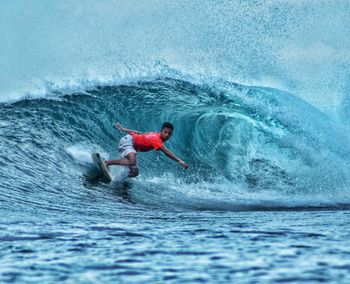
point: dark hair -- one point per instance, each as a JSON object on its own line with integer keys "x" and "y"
{"x": 168, "y": 125}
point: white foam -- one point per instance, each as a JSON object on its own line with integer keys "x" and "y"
{"x": 81, "y": 153}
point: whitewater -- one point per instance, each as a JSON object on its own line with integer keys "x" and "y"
{"x": 258, "y": 94}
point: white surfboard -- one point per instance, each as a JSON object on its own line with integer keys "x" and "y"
{"x": 96, "y": 158}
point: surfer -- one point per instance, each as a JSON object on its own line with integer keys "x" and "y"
{"x": 137, "y": 141}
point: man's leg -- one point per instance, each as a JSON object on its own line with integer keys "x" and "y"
{"x": 129, "y": 161}
{"x": 133, "y": 169}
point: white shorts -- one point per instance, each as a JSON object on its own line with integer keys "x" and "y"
{"x": 126, "y": 146}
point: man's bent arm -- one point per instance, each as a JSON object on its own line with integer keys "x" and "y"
{"x": 173, "y": 156}
{"x": 123, "y": 129}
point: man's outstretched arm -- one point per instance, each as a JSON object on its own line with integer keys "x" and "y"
{"x": 171, "y": 155}
{"x": 123, "y": 129}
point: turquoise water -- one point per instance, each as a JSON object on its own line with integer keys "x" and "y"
{"x": 130, "y": 243}
{"x": 258, "y": 96}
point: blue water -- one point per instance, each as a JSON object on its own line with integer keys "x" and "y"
{"x": 258, "y": 94}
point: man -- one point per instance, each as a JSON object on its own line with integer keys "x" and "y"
{"x": 136, "y": 141}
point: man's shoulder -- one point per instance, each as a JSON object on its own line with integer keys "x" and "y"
{"x": 154, "y": 134}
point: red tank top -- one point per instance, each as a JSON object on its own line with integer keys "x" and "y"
{"x": 147, "y": 141}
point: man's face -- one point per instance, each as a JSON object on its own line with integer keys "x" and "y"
{"x": 166, "y": 133}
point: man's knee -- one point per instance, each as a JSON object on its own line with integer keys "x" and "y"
{"x": 131, "y": 158}
{"x": 131, "y": 163}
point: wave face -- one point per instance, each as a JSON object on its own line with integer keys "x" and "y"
{"x": 70, "y": 70}
{"x": 248, "y": 147}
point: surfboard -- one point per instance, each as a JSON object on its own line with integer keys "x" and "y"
{"x": 96, "y": 158}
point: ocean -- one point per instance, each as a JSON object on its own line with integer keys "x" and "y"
{"x": 258, "y": 94}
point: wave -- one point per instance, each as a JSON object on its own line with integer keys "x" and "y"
{"x": 248, "y": 147}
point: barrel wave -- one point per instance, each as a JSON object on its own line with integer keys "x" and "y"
{"x": 248, "y": 148}
{"x": 258, "y": 92}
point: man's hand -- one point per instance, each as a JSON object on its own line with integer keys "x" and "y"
{"x": 184, "y": 165}
{"x": 119, "y": 126}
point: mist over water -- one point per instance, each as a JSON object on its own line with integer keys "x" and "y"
{"x": 258, "y": 92}
{"x": 298, "y": 46}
